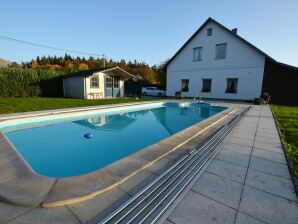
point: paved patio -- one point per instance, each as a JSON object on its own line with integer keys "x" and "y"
{"x": 247, "y": 182}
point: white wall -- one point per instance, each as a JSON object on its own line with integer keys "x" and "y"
{"x": 242, "y": 62}
{"x": 99, "y": 90}
{"x": 73, "y": 87}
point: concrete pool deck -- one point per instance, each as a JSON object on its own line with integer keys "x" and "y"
{"x": 247, "y": 181}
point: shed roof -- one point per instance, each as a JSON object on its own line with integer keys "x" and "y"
{"x": 108, "y": 70}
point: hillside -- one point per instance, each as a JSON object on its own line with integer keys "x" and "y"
{"x": 3, "y": 62}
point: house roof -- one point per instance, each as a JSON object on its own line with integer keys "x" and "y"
{"x": 90, "y": 72}
{"x": 233, "y": 34}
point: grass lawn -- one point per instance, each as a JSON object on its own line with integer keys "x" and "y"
{"x": 14, "y": 105}
{"x": 287, "y": 118}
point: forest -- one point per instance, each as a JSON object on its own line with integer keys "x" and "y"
{"x": 42, "y": 76}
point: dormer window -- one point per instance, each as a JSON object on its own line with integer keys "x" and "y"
{"x": 197, "y": 53}
{"x": 209, "y": 32}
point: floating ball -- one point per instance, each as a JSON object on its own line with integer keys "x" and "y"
{"x": 88, "y": 135}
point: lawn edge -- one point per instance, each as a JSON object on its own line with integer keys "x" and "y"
{"x": 288, "y": 159}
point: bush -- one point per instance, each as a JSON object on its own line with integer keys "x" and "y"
{"x": 178, "y": 95}
{"x": 265, "y": 97}
{"x": 19, "y": 82}
{"x": 258, "y": 101}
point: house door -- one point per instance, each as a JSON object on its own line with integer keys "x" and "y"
{"x": 112, "y": 86}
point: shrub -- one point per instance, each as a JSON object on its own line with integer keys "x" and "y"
{"x": 265, "y": 97}
{"x": 19, "y": 82}
{"x": 178, "y": 95}
{"x": 258, "y": 101}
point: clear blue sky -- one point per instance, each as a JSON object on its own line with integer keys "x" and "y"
{"x": 146, "y": 30}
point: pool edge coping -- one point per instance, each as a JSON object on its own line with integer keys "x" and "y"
{"x": 43, "y": 203}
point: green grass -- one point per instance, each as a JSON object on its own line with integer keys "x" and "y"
{"x": 287, "y": 118}
{"x": 14, "y": 105}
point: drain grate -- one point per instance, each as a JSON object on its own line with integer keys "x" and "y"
{"x": 151, "y": 202}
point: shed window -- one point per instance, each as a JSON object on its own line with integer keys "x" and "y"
{"x": 94, "y": 82}
{"x": 232, "y": 85}
{"x": 109, "y": 82}
{"x": 116, "y": 82}
{"x": 221, "y": 51}
{"x": 206, "y": 87}
{"x": 197, "y": 54}
{"x": 185, "y": 83}
{"x": 209, "y": 32}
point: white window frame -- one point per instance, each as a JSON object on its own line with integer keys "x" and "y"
{"x": 217, "y": 51}
{"x": 209, "y": 32}
{"x": 206, "y": 79}
{"x": 235, "y": 87}
{"x": 195, "y": 58}
{"x": 186, "y": 83}
{"x": 92, "y": 86}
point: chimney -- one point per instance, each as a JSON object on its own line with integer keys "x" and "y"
{"x": 234, "y": 30}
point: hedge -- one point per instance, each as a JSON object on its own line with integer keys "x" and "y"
{"x": 23, "y": 82}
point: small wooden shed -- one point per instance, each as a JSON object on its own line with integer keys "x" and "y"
{"x": 96, "y": 83}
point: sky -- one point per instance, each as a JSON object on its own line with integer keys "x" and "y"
{"x": 149, "y": 31}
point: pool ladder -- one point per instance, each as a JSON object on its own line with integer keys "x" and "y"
{"x": 149, "y": 204}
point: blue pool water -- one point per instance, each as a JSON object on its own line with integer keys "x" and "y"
{"x": 61, "y": 150}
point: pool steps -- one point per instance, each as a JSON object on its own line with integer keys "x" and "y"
{"x": 149, "y": 204}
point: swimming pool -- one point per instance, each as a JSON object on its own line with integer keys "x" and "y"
{"x": 62, "y": 150}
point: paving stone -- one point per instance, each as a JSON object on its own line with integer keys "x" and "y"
{"x": 124, "y": 167}
{"x": 264, "y": 134}
{"x": 267, "y": 131}
{"x": 49, "y": 216}
{"x": 137, "y": 182}
{"x": 227, "y": 170}
{"x": 233, "y": 157}
{"x": 8, "y": 212}
{"x": 270, "y": 167}
{"x": 73, "y": 187}
{"x": 245, "y": 219}
{"x": 269, "y": 155}
{"x": 151, "y": 153}
{"x": 99, "y": 206}
{"x": 219, "y": 188}
{"x": 244, "y": 136}
{"x": 197, "y": 208}
{"x": 29, "y": 189}
{"x": 270, "y": 147}
{"x": 270, "y": 183}
{"x": 239, "y": 141}
{"x": 168, "y": 222}
{"x": 237, "y": 148}
{"x": 267, "y": 207}
{"x": 161, "y": 165}
{"x": 273, "y": 140}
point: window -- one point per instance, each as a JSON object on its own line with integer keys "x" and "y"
{"x": 94, "y": 82}
{"x": 108, "y": 82}
{"x": 221, "y": 51}
{"x": 209, "y": 32}
{"x": 185, "y": 83}
{"x": 197, "y": 54}
{"x": 206, "y": 88}
{"x": 232, "y": 85}
{"x": 116, "y": 82}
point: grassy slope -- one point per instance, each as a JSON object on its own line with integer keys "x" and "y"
{"x": 287, "y": 118}
{"x": 14, "y": 105}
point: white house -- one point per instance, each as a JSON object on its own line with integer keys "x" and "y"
{"x": 97, "y": 83}
{"x": 217, "y": 63}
